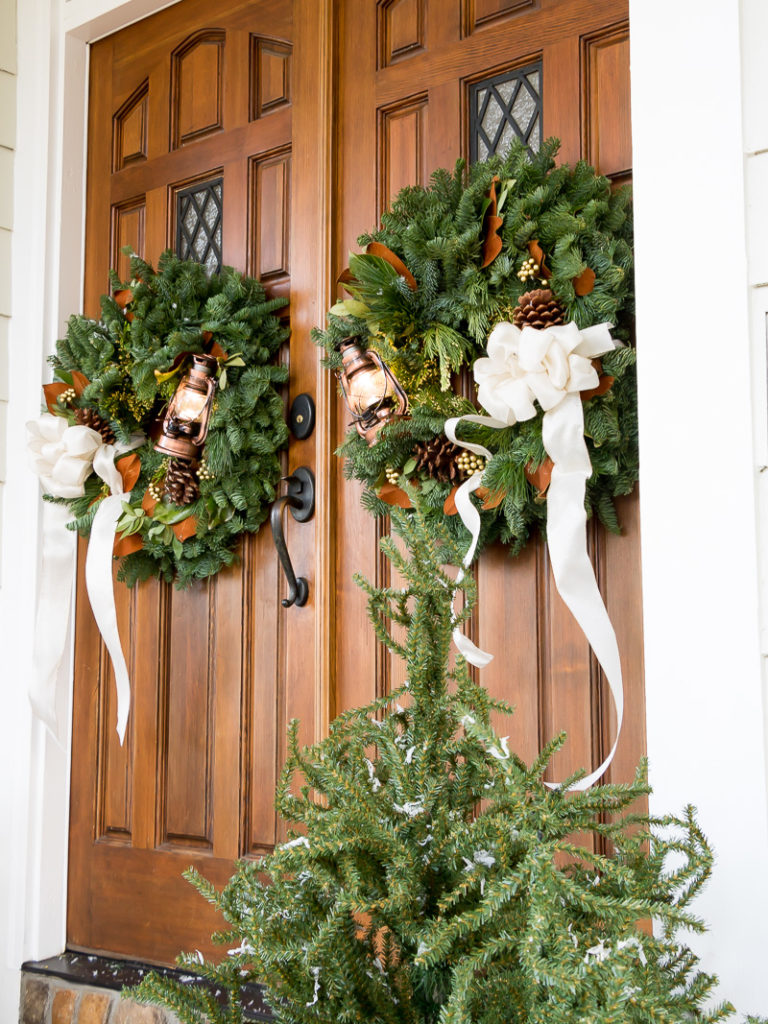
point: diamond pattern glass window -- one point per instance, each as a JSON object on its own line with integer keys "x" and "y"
{"x": 504, "y": 108}
{"x": 198, "y": 223}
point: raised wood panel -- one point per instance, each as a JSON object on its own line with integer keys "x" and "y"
{"x": 270, "y": 76}
{"x": 400, "y": 29}
{"x": 402, "y": 148}
{"x": 129, "y": 129}
{"x": 481, "y": 13}
{"x": 270, "y": 218}
{"x": 197, "y": 87}
{"x": 606, "y": 99}
{"x": 509, "y": 628}
{"x": 115, "y": 765}
{"x": 264, "y": 696}
{"x": 128, "y": 229}
{"x": 187, "y": 722}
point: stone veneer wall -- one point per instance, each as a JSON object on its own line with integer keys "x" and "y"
{"x": 55, "y": 1001}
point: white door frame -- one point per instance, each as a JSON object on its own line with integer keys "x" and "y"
{"x": 700, "y": 590}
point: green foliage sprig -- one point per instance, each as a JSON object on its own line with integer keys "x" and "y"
{"x": 431, "y": 335}
{"x": 433, "y": 878}
{"x": 133, "y": 358}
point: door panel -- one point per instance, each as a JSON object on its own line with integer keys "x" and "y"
{"x": 410, "y": 72}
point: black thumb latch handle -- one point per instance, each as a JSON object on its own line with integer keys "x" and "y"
{"x": 300, "y": 499}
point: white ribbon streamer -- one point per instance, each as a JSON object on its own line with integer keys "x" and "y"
{"x": 54, "y": 601}
{"x": 98, "y": 569}
{"x": 550, "y": 366}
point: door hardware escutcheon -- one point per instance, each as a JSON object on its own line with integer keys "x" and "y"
{"x": 302, "y": 416}
{"x": 300, "y": 499}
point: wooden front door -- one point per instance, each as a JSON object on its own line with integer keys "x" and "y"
{"x": 301, "y": 119}
{"x": 195, "y": 117}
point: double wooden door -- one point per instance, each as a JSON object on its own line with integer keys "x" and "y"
{"x": 268, "y": 134}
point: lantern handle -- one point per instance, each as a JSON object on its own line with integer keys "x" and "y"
{"x": 301, "y": 501}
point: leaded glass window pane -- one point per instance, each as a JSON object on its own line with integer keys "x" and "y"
{"x": 198, "y": 223}
{"x": 504, "y": 108}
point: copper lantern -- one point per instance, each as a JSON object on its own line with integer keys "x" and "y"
{"x": 371, "y": 391}
{"x": 185, "y": 426}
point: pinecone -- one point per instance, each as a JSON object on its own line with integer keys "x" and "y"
{"x": 181, "y": 481}
{"x": 437, "y": 458}
{"x": 90, "y": 418}
{"x": 538, "y": 309}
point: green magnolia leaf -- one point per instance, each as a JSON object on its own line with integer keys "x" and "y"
{"x": 170, "y": 514}
{"x": 222, "y": 379}
{"x": 409, "y": 467}
{"x": 350, "y": 307}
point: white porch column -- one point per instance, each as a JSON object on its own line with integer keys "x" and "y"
{"x": 706, "y": 734}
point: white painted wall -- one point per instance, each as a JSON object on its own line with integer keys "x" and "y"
{"x": 696, "y": 365}
{"x": 700, "y": 308}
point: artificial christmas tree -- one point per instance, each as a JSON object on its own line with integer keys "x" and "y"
{"x": 434, "y": 877}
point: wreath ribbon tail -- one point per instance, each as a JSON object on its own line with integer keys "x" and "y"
{"x": 470, "y": 517}
{"x": 98, "y": 581}
{"x": 98, "y": 569}
{"x": 563, "y": 437}
{"x": 57, "y": 573}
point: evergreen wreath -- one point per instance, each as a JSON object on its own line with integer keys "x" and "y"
{"x": 116, "y": 375}
{"x": 516, "y": 238}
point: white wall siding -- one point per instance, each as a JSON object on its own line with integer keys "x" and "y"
{"x": 7, "y": 148}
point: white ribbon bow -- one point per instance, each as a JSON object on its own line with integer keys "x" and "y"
{"x": 552, "y": 367}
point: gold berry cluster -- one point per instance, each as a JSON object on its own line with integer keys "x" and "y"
{"x": 203, "y": 471}
{"x": 529, "y": 269}
{"x": 155, "y": 489}
{"x": 392, "y": 475}
{"x": 469, "y": 463}
{"x": 67, "y": 396}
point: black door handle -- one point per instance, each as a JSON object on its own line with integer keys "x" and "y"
{"x": 300, "y": 499}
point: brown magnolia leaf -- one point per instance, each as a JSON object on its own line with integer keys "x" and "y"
{"x": 148, "y": 503}
{"x": 491, "y": 500}
{"x": 123, "y": 297}
{"x": 217, "y": 350}
{"x": 52, "y": 391}
{"x": 394, "y": 495}
{"x": 124, "y": 546}
{"x": 492, "y": 244}
{"x": 449, "y": 505}
{"x": 585, "y": 282}
{"x": 604, "y": 384}
{"x": 345, "y": 277}
{"x": 207, "y": 336}
{"x": 129, "y": 468}
{"x": 537, "y": 252}
{"x": 79, "y": 382}
{"x": 541, "y": 477}
{"x": 385, "y": 253}
{"x": 186, "y": 528}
